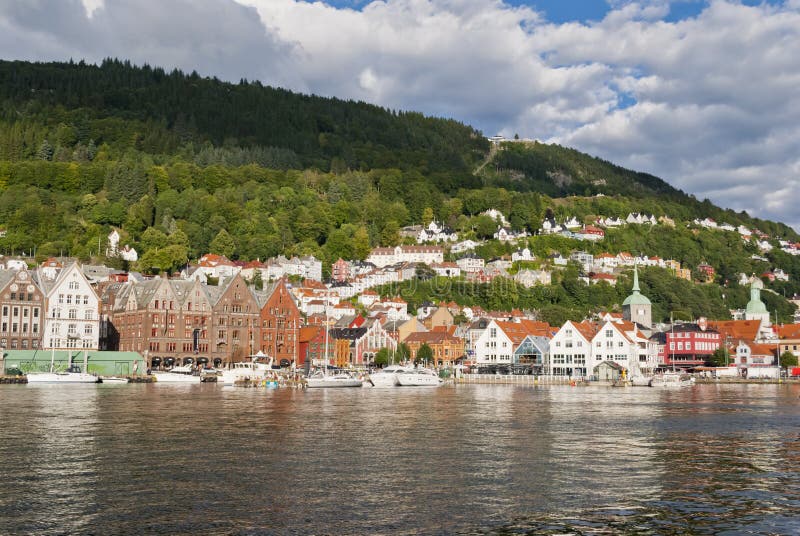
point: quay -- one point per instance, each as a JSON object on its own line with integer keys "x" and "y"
{"x": 515, "y": 379}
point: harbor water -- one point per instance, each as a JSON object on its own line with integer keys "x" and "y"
{"x": 466, "y": 459}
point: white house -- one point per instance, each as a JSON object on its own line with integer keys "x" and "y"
{"x": 72, "y": 318}
{"x": 447, "y": 269}
{"x": 622, "y": 343}
{"x": 530, "y": 278}
{"x": 571, "y": 349}
{"x": 436, "y": 233}
{"x": 463, "y": 246}
{"x": 522, "y": 255}
{"x": 471, "y": 263}
{"x": 496, "y": 215}
{"x": 381, "y": 257}
{"x": 216, "y": 266}
{"x": 505, "y": 234}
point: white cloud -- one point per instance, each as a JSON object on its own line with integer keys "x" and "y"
{"x": 711, "y": 103}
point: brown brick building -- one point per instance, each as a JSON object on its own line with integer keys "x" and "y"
{"x": 280, "y": 325}
{"x": 166, "y": 319}
{"x": 22, "y": 307}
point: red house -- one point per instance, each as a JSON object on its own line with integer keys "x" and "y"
{"x": 689, "y": 345}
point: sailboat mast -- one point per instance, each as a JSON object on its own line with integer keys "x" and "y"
{"x": 325, "y": 369}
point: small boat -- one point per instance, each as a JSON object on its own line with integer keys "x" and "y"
{"x": 338, "y": 379}
{"x": 182, "y": 374}
{"x": 72, "y": 375}
{"x": 113, "y": 379}
{"x": 418, "y": 377}
{"x": 672, "y": 379}
{"x": 641, "y": 381}
{"x": 252, "y": 371}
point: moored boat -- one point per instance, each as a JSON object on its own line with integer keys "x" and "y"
{"x": 183, "y": 374}
{"x": 113, "y": 379}
{"x": 72, "y": 375}
{"x": 386, "y": 377}
{"x": 338, "y": 379}
{"x": 672, "y": 379}
{"x": 418, "y": 377}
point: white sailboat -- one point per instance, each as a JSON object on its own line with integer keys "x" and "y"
{"x": 323, "y": 379}
{"x": 73, "y": 374}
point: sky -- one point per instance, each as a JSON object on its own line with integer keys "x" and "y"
{"x": 702, "y": 93}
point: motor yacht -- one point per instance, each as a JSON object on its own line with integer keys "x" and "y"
{"x": 387, "y": 377}
{"x": 418, "y": 377}
{"x": 181, "y": 374}
{"x": 672, "y": 379}
{"x": 337, "y": 379}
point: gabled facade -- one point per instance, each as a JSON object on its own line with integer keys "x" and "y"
{"x": 571, "y": 349}
{"x": 236, "y": 321}
{"x": 22, "y": 308}
{"x": 72, "y": 318}
{"x": 280, "y": 324}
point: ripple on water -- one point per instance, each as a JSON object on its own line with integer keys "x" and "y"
{"x": 471, "y": 460}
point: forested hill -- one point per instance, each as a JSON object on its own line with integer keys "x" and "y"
{"x": 160, "y": 112}
{"x": 175, "y": 161}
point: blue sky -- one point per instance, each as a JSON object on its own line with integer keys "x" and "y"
{"x": 701, "y": 93}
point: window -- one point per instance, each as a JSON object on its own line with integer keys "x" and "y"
{"x": 5, "y": 310}
{"x": 13, "y": 295}
{"x": 15, "y": 312}
{"x": 87, "y": 329}
{"x": 14, "y": 327}
{"x": 88, "y": 315}
{"x": 493, "y": 332}
{"x": 72, "y": 329}
{"x": 60, "y": 298}
{"x": 609, "y": 333}
{"x": 86, "y": 300}
{"x": 73, "y": 314}
{"x": 69, "y": 299}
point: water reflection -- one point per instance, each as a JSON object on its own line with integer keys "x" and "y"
{"x": 57, "y": 475}
{"x": 202, "y": 459}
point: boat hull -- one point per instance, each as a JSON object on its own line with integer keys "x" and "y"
{"x": 114, "y": 380}
{"x": 54, "y": 377}
{"x": 418, "y": 379}
{"x": 333, "y": 382}
{"x": 173, "y": 377}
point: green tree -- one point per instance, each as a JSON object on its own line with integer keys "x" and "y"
{"x": 427, "y": 215}
{"x": 382, "y": 357}
{"x": 361, "y": 243}
{"x": 719, "y": 358}
{"x": 485, "y": 226}
{"x": 788, "y": 359}
{"x": 424, "y": 354}
{"x": 258, "y": 280}
{"x": 223, "y": 244}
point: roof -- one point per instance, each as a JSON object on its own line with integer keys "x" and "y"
{"x": 746, "y": 330}
{"x": 587, "y": 329}
{"x": 761, "y": 349}
{"x": 432, "y": 337}
{"x": 788, "y": 331}
{"x": 636, "y": 297}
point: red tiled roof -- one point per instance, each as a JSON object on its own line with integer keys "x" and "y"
{"x": 745, "y": 330}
